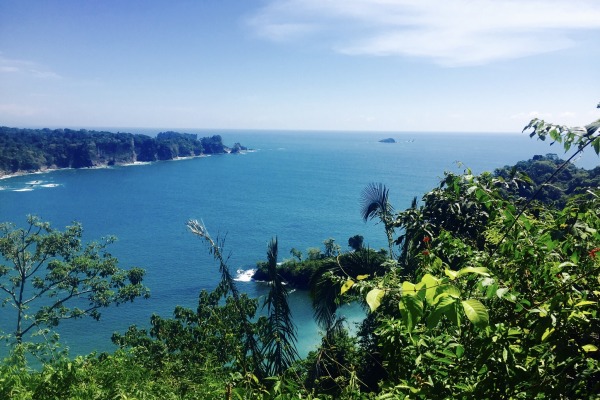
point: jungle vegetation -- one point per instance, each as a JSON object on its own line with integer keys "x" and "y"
{"x": 31, "y": 150}
{"x": 489, "y": 290}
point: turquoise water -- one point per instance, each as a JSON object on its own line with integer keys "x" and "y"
{"x": 302, "y": 187}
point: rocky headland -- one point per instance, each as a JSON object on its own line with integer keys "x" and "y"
{"x": 24, "y": 151}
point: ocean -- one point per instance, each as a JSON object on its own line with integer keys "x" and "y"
{"x": 303, "y": 187}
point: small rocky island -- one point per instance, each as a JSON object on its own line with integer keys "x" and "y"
{"x": 388, "y": 140}
{"x": 32, "y": 150}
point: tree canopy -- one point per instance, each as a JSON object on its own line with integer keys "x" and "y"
{"x": 47, "y": 276}
{"x": 30, "y": 150}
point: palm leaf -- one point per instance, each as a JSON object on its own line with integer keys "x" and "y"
{"x": 375, "y": 202}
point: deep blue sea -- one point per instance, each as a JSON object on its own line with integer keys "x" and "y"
{"x": 302, "y": 187}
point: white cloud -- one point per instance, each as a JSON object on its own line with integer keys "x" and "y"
{"x": 28, "y": 68}
{"x": 451, "y": 33}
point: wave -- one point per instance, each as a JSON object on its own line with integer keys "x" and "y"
{"x": 23, "y": 190}
{"x": 244, "y": 275}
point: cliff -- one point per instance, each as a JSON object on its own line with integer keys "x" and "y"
{"x": 31, "y": 150}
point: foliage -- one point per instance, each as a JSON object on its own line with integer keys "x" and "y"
{"x": 336, "y": 276}
{"x": 331, "y": 248}
{"x": 29, "y": 150}
{"x": 227, "y": 286}
{"x": 107, "y": 377}
{"x": 530, "y": 176}
{"x": 296, "y": 254}
{"x": 375, "y": 204}
{"x": 279, "y": 337}
{"x": 331, "y": 369}
{"x": 487, "y": 299}
{"x": 48, "y": 276}
{"x": 356, "y": 242}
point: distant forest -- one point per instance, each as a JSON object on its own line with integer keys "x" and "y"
{"x": 30, "y": 150}
{"x": 533, "y": 173}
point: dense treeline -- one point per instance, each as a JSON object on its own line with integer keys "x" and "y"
{"x": 534, "y": 174}
{"x": 479, "y": 296}
{"x": 30, "y": 150}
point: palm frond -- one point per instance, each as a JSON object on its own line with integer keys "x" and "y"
{"x": 279, "y": 346}
{"x": 374, "y": 200}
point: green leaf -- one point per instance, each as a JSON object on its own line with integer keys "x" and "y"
{"x": 589, "y": 347}
{"x": 460, "y": 350}
{"x": 346, "y": 286}
{"x": 432, "y": 284}
{"x": 547, "y": 333}
{"x": 476, "y": 312}
{"x": 374, "y": 298}
{"x": 411, "y": 309}
{"x": 585, "y": 303}
{"x": 362, "y": 277}
{"x": 473, "y": 270}
{"x": 452, "y": 291}
{"x": 444, "y": 304}
{"x": 411, "y": 289}
{"x": 451, "y": 274}
{"x": 408, "y": 289}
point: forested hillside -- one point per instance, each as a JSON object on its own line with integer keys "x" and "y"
{"x": 534, "y": 175}
{"x": 30, "y": 150}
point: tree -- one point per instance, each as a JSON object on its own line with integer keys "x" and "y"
{"x": 280, "y": 336}
{"x": 375, "y": 204}
{"x": 356, "y": 242}
{"x": 331, "y": 249}
{"x": 227, "y": 285}
{"x": 296, "y": 253}
{"x": 314, "y": 253}
{"x": 48, "y": 276}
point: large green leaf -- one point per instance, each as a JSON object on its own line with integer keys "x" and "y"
{"x": 432, "y": 284}
{"x": 411, "y": 309}
{"x": 476, "y": 312}
{"x": 445, "y": 305}
{"x": 411, "y": 289}
{"x": 374, "y": 298}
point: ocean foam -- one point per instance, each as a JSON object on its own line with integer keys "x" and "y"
{"x": 244, "y": 275}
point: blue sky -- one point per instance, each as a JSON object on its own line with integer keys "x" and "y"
{"x": 391, "y": 65}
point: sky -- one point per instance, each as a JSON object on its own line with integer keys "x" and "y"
{"x": 349, "y": 65}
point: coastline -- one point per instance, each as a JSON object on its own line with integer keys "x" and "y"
{"x": 104, "y": 166}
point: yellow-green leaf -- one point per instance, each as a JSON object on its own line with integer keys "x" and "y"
{"x": 476, "y": 312}
{"x": 474, "y": 270}
{"x": 589, "y": 347}
{"x": 374, "y": 298}
{"x": 349, "y": 283}
{"x": 451, "y": 274}
{"x": 362, "y": 277}
{"x": 409, "y": 289}
{"x": 432, "y": 284}
{"x": 584, "y": 303}
{"x": 547, "y": 333}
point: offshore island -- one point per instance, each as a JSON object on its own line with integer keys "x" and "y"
{"x": 24, "y": 151}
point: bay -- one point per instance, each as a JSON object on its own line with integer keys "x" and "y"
{"x": 302, "y": 187}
